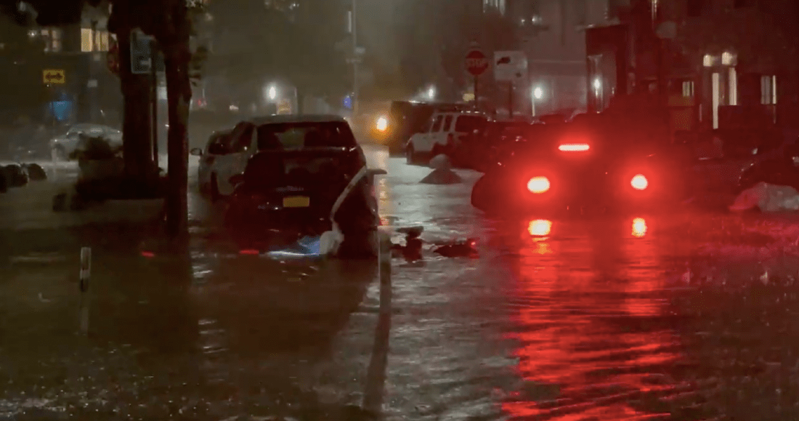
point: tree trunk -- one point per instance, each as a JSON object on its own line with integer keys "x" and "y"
{"x": 178, "y": 97}
{"x": 136, "y": 140}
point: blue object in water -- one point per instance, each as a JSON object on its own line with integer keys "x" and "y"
{"x": 305, "y": 247}
{"x": 347, "y": 102}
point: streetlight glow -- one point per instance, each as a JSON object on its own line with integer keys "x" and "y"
{"x": 538, "y": 93}
{"x": 431, "y": 93}
{"x": 272, "y": 93}
{"x": 597, "y": 84}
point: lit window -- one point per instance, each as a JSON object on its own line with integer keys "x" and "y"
{"x": 733, "y": 87}
{"x": 86, "y": 41}
{"x": 688, "y": 88}
{"x": 708, "y": 60}
{"x": 768, "y": 90}
{"x": 101, "y": 41}
{"x": 52, "y": 40}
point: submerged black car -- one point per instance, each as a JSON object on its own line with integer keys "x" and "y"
{"x": 593, "y": 164}
{"x": 285, "y": 195}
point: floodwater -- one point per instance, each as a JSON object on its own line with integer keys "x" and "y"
{"x": 643, "y": 317}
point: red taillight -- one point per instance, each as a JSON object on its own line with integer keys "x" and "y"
{"x": 639, "y": 182}
{"x": 538, "y": 185}
{"x": 249, "y": 252}
{"x": 574, "y": 147}
{"x": 539, "y": 228}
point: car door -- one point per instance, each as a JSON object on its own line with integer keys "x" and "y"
{"x": 427, "y": 140}
{"x": 238, "y": 151}
{"x": 213, "y": 150}
{"x": 446, "y": 130}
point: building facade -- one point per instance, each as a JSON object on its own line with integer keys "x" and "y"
{"x": 733, "y": 62}
{"x": 88, "y": 90}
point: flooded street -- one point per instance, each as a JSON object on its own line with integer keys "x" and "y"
{"x": 685, "y": 316}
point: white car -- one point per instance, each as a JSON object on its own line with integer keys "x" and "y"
{"x": 228, "y": 152}
{"x": 443, "y": 135}
{"x": 65, "y": 144}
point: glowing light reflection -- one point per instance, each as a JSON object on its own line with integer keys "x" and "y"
{"x": 639, "y": 228}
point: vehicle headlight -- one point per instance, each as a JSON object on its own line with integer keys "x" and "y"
{"x": 381, "y": 124}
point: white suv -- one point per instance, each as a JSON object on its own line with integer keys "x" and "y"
{"x": 443, "y": 135}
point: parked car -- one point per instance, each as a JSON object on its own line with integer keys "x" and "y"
{"x": 406, "y": 118}
{"x": 233, "y": 149}
{"x": 64, "y": 145}
{"x": 444, "y": 134}
{"x": 286, "y": 194}
{"x": 214, "y": 148}
{"x": 732, "y": 160}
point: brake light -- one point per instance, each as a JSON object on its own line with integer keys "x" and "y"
{"x": 539, "y": 228}
{"x": 639, "y": 182}
{"x": 538, "y": 185}
{"x": 574, "y": 147}
{"x": 382, "y": 124}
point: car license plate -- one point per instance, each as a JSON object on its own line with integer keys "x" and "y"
{"x": 296, "y": 202}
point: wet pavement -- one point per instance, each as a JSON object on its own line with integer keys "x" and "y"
{"x": 686, "y": 316}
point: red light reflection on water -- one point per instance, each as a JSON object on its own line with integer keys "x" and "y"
{"x": 571, "y": 336}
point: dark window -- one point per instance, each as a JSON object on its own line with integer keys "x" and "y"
{"x": 305, "y": 135}
{"x": 241, "y": 138}
{"x": 447, "y": 123}
{"x": 469, "y": 123}
{"x": 216, "y": 146}
{"x": 744, "y": 3}
{"x": 437, "y": 124}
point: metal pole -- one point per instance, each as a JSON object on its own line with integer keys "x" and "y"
{"x": 476, "y": 94}
{"x": 355, "y": 59}
{"x": 154, "y": 99}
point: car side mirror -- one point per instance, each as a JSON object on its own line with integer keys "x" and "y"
{"x": 196, "y": 152}
{"x": 237, "y": 179}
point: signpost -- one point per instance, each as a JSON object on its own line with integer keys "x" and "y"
{"x": 476, "y": 64}
{"x": 511, "y": 67}
{"x": 141, "y": 60}
{"x": 54, "y": 76}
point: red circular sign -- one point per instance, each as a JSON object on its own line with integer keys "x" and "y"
{"x": 476, "y": 62}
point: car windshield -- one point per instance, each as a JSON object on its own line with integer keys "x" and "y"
{"x": 305, "y": 135}
{"x": 470, "y": 123}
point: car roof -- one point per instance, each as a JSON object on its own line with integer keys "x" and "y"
{"x": 297, "y": 118}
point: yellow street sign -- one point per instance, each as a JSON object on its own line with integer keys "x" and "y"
{"x": 56, "y": 76}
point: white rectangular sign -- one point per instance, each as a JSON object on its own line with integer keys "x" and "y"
{"x": 510, "y": 66}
